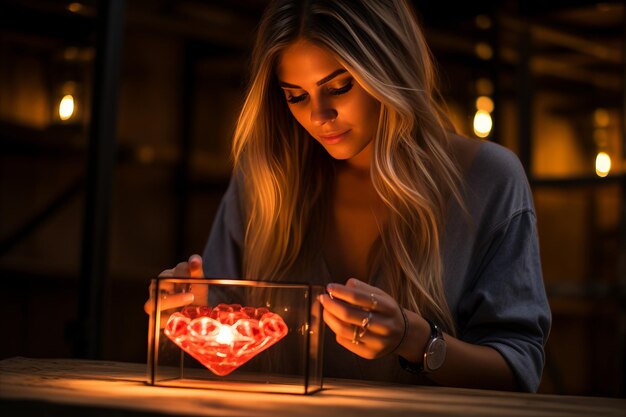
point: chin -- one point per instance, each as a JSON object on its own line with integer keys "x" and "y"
{"x": 344, "y": 151}
{"x": 340, "y": 154}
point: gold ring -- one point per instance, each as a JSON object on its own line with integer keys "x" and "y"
{"x": 355, "y": 335}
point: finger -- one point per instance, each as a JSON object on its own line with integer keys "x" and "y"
{"x": 339, "y": 327}
{"x": 343, "y": 311}
{"x": 357, "y": 283}
{"x": 147, "y": 307}
{"x": 181, "y": 270}
{"x": 200, "y": 292}
{"x": 375, "y": 323}
{"x": 363, "y": 286}
{"x": 360, "y": 349}
{"x": 364, "y": 346}
{"x": 369, "y": 345}
{"x": 184, "y": 270}
{"x": 176, "y": 300}
{"x": 169, "y": 301}
{"x": 168, "y": 273}
{"x": 195, "y": 266}
{"x": 163, "y": 287}
{"x": 366, "y": 298}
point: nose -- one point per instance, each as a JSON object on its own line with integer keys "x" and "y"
{"x": 322, "y": 114}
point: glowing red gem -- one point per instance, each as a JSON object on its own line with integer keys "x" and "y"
{"x": 225, "y": 337}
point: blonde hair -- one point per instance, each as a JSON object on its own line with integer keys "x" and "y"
{"x": 286, "y": 174}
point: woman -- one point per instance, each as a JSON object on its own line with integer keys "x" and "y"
{"x": 347, "y": 169}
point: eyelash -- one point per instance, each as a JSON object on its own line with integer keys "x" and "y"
{"x": 296, "y": 99}
{"x": 341, "y": 90}
{"x": 331, "y": 91}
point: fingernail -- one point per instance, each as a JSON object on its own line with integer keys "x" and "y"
{"x": 329, "y": 289}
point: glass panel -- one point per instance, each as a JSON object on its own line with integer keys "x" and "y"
{"x": 238, "y": 335}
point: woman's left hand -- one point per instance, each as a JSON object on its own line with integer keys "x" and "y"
{"x": 366, "y": 320}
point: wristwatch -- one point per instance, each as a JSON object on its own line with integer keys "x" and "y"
{"x": 434, "y": 354}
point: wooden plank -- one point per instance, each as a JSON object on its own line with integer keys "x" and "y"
{"x": 53, "y": 387}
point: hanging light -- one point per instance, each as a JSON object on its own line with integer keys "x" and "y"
{"x": 75, "y": 7}
{"x": 603, "y": 164}
{"x": 66, "y": 107}
{"x": 483, "y": 22}
{"x": 484, "y": 103}
{"x": 482, "y": 123}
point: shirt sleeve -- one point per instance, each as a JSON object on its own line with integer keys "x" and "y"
{"x": 223, "y": 251}
{"x": 506, "y": 307}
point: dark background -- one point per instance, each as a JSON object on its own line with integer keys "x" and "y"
{"x": 93, "y": 207}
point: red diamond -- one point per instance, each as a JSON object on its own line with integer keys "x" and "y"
{"x": 225, "y": 337}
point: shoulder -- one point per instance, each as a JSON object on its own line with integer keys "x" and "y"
{"x": 496, "y": 159}
{"x": 488, "y": 168}
{"x": 497, "y": 177}
{"x": 484, "y": 158}
{"x": 493, "y": 184}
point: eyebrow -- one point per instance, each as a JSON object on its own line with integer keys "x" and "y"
{"x": 320, "y": 82}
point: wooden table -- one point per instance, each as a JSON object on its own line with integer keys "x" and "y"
{"x": 68, "y": 387}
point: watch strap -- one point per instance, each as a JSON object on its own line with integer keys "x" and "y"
{"x": 418, "y": 368}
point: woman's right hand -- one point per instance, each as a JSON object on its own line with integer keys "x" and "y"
{"x": 177, "y": 295}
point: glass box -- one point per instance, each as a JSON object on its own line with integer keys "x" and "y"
{"x": 236, "y": 335}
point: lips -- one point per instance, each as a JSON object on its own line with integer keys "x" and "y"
{"x": 334, "y": 137}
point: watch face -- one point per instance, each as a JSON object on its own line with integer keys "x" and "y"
{"x": 436, "y": 354}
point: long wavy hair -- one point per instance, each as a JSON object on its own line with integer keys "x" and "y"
{"x": 286, "y": 175}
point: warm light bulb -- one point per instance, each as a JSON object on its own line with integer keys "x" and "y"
{"x": 483, "y": 51}
{"x": 601, "y": 118}
{"x": 603, "y": 164}
{"x": 66, "y": 107}
{"x": 482, "y": 124}
{"x": 225, "y": 336}
{"x": 484, "y": 103}
{"x": 75, "y": 7}
{"x": 483, "y": 22}
{"x": 484, "y": 87}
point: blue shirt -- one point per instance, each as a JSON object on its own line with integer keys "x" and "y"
{"x": 491, "y": 271}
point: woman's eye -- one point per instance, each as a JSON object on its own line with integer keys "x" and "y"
{"x": 341, "y": 90}
{"x": 296, "y": 99}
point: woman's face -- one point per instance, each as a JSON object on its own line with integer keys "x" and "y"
{"x": 326, "y": 100}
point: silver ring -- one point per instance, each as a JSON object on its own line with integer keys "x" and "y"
{"x": 365, "y": 323}
{"x": 362, "y": 333}
{"x": 374, "y": 301}
{"x": 356, "y": 335}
